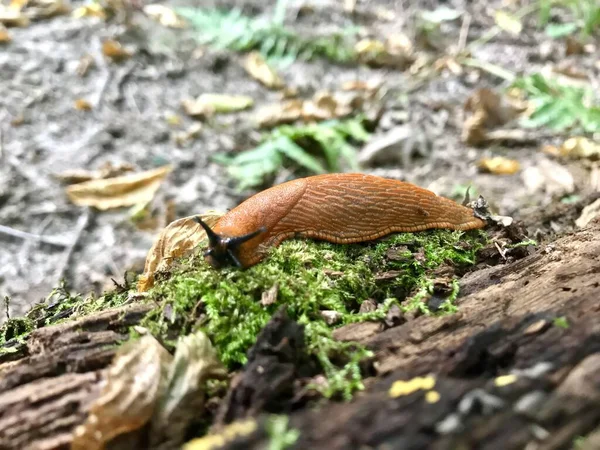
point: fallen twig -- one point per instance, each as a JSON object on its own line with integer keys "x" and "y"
{"x": 82, "y": 224}
{"x": 35, "y": 237}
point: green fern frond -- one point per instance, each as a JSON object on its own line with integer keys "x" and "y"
{"x": 559, "y": 106}
{"x": 283, "y": 146}
{"x": 234, "y": 31}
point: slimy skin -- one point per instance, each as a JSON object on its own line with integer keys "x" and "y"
{"x": 339, "y": 208}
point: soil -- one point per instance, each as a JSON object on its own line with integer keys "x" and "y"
{"x": 44, "y": 135}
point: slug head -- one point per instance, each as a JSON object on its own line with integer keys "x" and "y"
{"x": 223, "y": 251}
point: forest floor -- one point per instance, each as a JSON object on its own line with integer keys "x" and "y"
{"x": 101, "y": 148}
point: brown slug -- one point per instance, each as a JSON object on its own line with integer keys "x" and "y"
{"x": 341, "y": 208}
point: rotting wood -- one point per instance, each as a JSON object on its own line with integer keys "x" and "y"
{"x": 506, "y": 322}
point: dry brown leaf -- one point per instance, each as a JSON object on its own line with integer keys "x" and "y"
{"x": 44, "y": 9}
{"x": 82, "y": 104}
{"x": 573, "y": 46}
{"x": 173, "y": 119}
{"x": 258, "y": 68}
{"x": 269, "y": 296}
{"x": 508, "y": 22}
{"x": 164, "y": 15}
{"x": 208, "y": 104}
{"x": 90, "y": 10}
{"x": 194, "y": 363}
{"x": 85, "y": 64}
{"x": 580, "y": 148}
{"x": 589, "y": 213}
{"x": 176, "y": 240}
{"x": 115, "y": 51}
{"x": 107, "y": 170}
{"x": 132, "y": 385}
{"x": 396, "y": 52}
{"x": 120, "y": 191}
{"x": 323, "y": 106}
{"x": 4, "y": 35}
{"x": 280, "y": 113}
{"x": 12, "y": 17}
{"x": 499, "y": 165}
{"x": 361, "y": 85}
{"x": 488, "y": 110}
{"x": 188, "y": 135}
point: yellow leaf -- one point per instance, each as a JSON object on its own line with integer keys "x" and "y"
{"x": 508, "y": 22}
{"x": 164, "y": 15}
{"x": 13, "y": 18}
{"x": 120, "y": 191}
{"x": 499, "y": 165}
{"x": 258, "y": 69}
{"x": 176, "y": 240}
{"x": 82, "y": 105}
{"x": 580, "y": 148}
{"x": 229, "y": 433}
{"x": 208, "y": 104}
{"x": 115, "y": 51}
{"x": 4, "y": 36}
{"x": 90, "y": 10}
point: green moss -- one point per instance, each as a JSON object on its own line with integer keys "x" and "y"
{"x": 60, "y": 306}
{"x": 281, "y": 436}
{"x": 311, "y": 277}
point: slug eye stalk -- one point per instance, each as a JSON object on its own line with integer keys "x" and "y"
{"x": 223, "y": 251}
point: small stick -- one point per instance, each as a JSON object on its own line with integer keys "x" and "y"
{"x": 25, "y": 235}
{"x": 82, "y": 224}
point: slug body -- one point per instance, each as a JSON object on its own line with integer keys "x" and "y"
{"x": 339, "y": 208}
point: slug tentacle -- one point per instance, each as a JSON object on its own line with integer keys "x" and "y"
{"x": 223, "y": 250}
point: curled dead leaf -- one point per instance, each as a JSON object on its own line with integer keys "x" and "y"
{"x": 127, "y": 400}
{"x": 208, "y": 104}
{"x": 90, "y": 10}
{"x": 164, "y": 15}
{"x": 82, "y": 104}
{"x": 258, "y": 68}
{"x": 120, "y": 191}
{"x": 5, "y": 37}
{"x": 396, "y": 52}
{"x": 486, "y": 110}
{"x": 44, "y": 9}
{"x": 13, "y": 17}
{"x": 578, "y": 148}
{"x": 324, "y": 105}
{"x": 188, "y": 135}
{"x": 176, "y": 240}
{"x": 195, "y": 362}
{"x": 589, "y": 213}
{"x": 115, "y": 51}
{"x": 107, "y": 170}
{"x": 508, "y": 22}
{"x": 499, "y": 165}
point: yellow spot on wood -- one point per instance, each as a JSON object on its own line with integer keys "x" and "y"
{"x": 432, "y": 397}
{"x": 229, "y": 433}
{"x": 401, "y": 387}
{"x": 505, "y": 380}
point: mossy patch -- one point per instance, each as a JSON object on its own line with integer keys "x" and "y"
{"x": 311, "y": 277}
{"x": 59, "y": 306}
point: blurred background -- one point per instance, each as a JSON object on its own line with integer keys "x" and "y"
{"x": 120, "y": 116}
